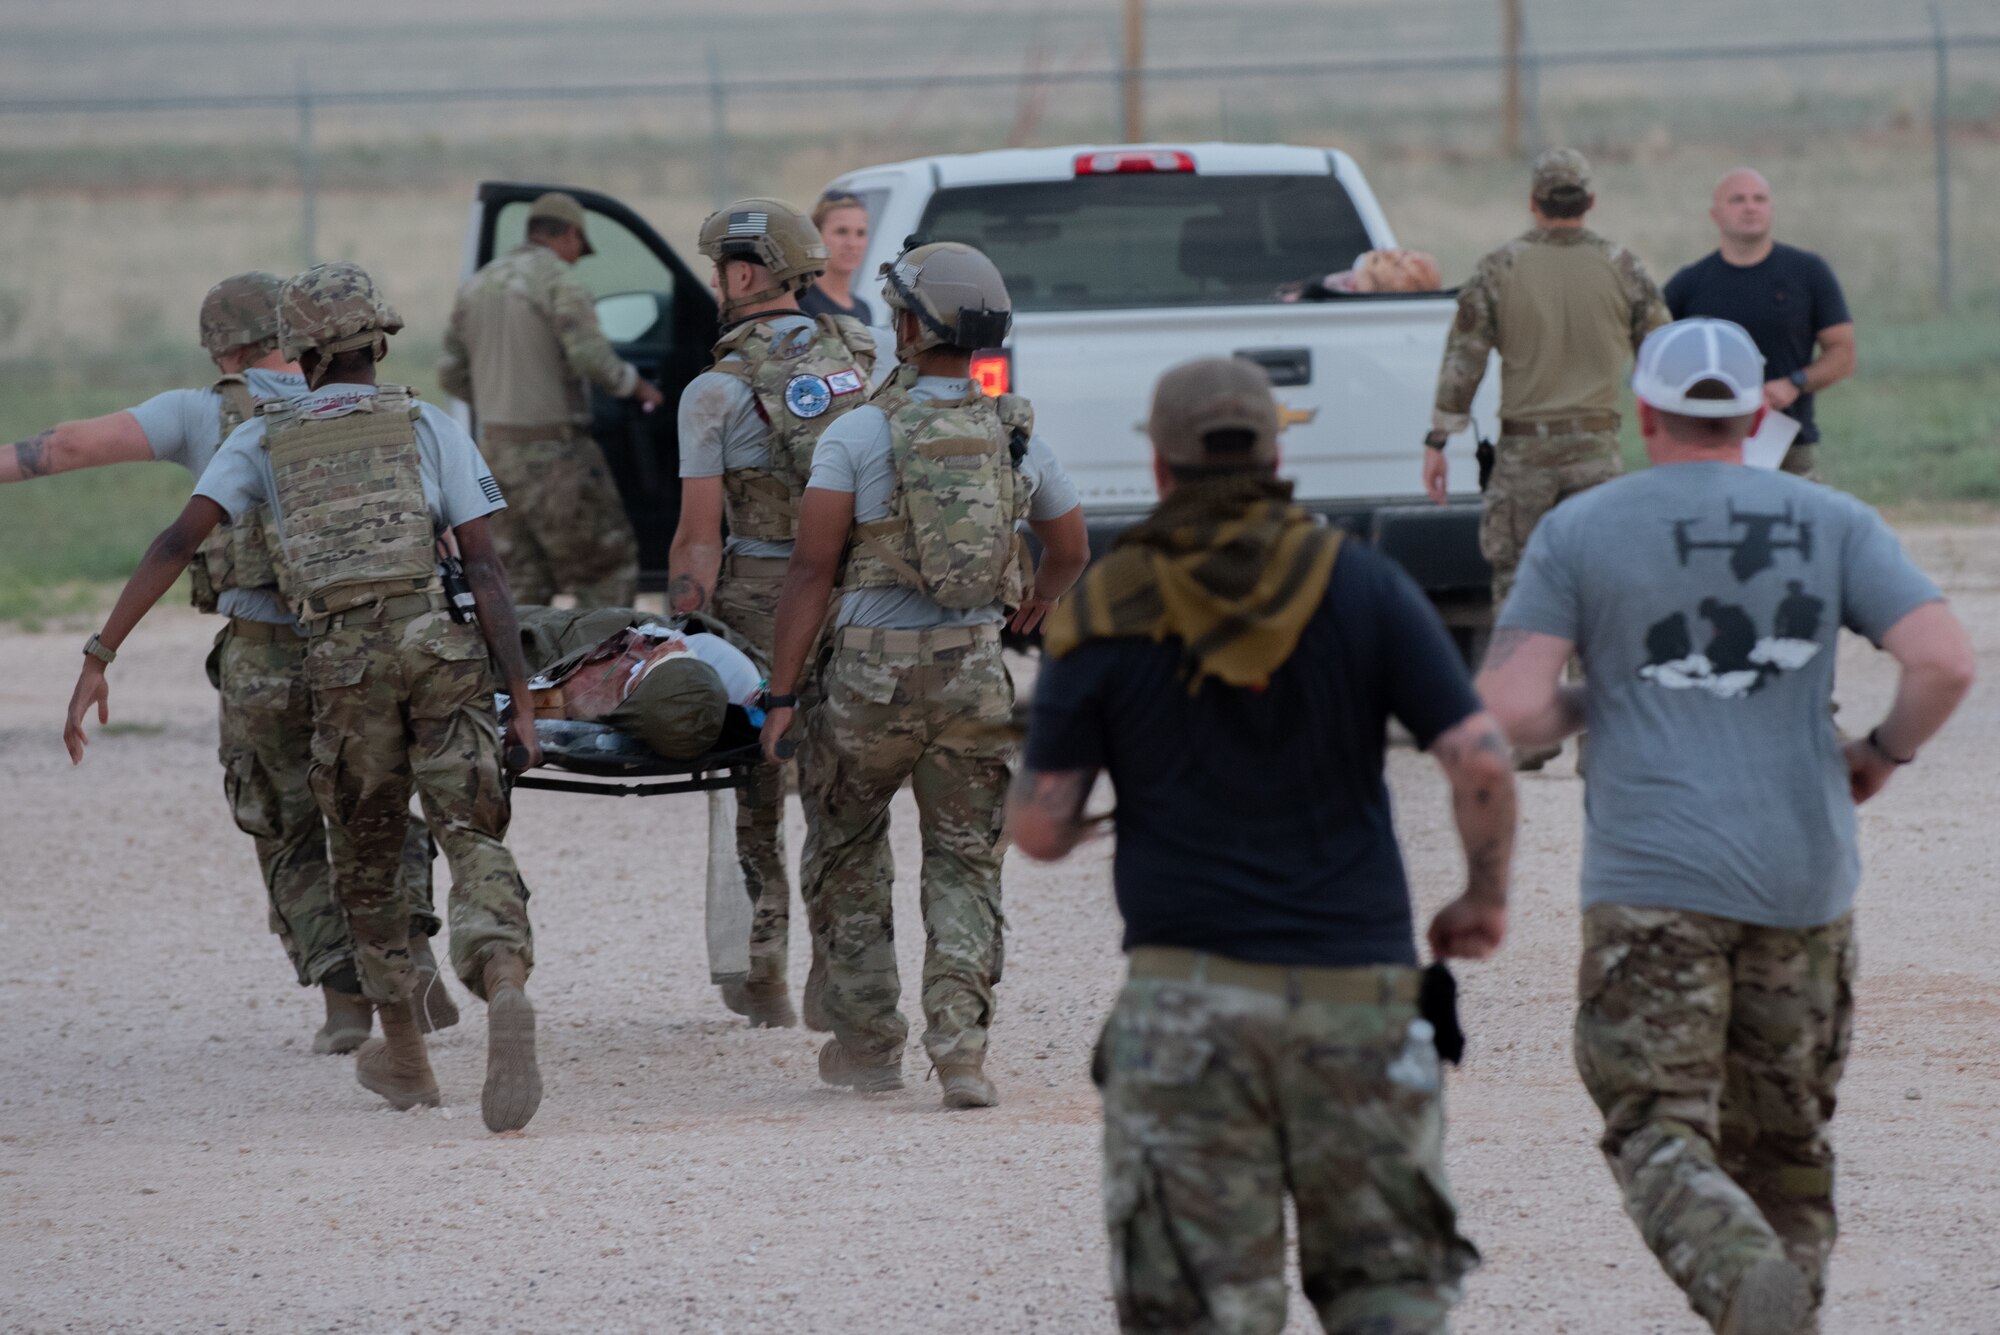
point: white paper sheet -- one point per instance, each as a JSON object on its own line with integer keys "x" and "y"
{"x": 1774, "y": 436}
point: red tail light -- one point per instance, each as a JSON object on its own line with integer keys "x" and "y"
{"x": 993, "y": 371}
{"x": 1151, "y": 160}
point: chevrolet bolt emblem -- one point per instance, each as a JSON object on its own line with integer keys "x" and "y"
{"x": 1289, "y": 416}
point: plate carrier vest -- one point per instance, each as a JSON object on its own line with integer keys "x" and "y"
{"x": 351, "y": 492}
{"x": 763, "y": 503}
{"x": 242, "y": 555}
{"x": 952, "y": 531}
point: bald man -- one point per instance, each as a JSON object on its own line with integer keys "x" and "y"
{"x": 1787, "y": 298}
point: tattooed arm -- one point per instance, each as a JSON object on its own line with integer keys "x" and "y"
{"x": 1476, "y": 760}
{"x": 1045, "y": 811}
{"x": 1521, "y": 683}
{"x": 115, "y": 438}
{"x": 695, "y": 558}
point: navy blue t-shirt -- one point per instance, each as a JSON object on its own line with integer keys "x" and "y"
{"x": 1254, "y": 824}
{"x": 815, "y": 302}
{"x": 1784, "y": 300}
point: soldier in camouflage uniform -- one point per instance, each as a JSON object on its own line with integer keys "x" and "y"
{"x": 1716, "y": 990}
{"x": 258, "y": 664}
{"x": 914, "y": 502}
{"x": 522, "y": 341}
{"x": 747, "y": 430}
{"x": 360, "y": 479}
{"x": 1233, "y": 666}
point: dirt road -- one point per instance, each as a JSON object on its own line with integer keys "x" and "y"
{"x": 172, "y": 1157}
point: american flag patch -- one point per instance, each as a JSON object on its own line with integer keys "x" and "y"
{"x": 491, "y": 487}
{"x": 749, "y": 224}
{"x": 844, "y": 382}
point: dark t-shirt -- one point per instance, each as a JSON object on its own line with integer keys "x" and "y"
{"x": 1254, "y": 824}
{"x": 815, "y": 302}
{"x": 1784, "y": 300}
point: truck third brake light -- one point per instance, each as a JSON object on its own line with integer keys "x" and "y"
{"x": 1113, "y": 164}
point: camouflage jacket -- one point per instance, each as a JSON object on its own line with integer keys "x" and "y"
{"x": 1565, "y": 308}
{"x": 522, "y": 341}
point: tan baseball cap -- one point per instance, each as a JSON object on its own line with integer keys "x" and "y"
{"x": 558, "y": 207}
{"x": 1560, "y": 167}
{"x": 1213, "y": 394}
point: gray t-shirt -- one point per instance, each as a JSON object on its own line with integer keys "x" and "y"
{"x": 721, "y": 431}
{"x": 184, "y": 426}
{"x": 1706, "y": 600}
{"x": 458, "y": 486}
{"x": 853, "y": 456}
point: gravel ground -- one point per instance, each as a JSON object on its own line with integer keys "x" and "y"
{"x": 172, "y": 1157}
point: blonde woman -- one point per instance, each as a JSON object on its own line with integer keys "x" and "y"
{"x": 842, "y": 220}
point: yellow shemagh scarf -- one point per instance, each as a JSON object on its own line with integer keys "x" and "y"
{"x": 1228, "y": 566}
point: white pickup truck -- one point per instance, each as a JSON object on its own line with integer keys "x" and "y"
{"x": 1121, "y": 261}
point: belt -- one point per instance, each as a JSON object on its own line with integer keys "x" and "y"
{"x": 400, "y": 607}
{"x": 1582, "y": 424}
{"x": 1372, "y": 984}
{"x": 263, "y": 632}
{"x": 915, "y": 641}
{"x": 755, "y": 567}
{"x": 526, "y": 435}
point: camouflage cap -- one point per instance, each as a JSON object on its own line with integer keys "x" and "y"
{"x": 241, "y": 311}
{"x": 1557, "y": 168}
{"x": 678, "y": 707}
{"x": 558, "y": 207}
{"x": 1213, "y": 394}
{"x": 333, "y": 308}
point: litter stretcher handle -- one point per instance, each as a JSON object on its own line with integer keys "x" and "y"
{"x": 786, "y": 748}
{"x": 517, "y": 758}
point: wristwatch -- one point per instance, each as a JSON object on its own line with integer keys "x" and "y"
{"x": 767, "y": 702}
{"x": 1436, "y": 439}
{"x": 1798, "y": 379}
{"x": 100, "y": 651}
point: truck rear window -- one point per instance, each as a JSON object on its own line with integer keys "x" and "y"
{"x": 1181, "y": 239}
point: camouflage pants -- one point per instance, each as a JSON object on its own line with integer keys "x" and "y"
{"x": 1713, "y": 1048}
{"x": 1802, "y": 461}
{"x": 266, "y": 724}
{"x": 402, "y": 704}
{"x": 748, "y": 602}
{"x": 1218, "y": 1101}
{"x": 564, "y": 529}
{"x": 1531, "y": 476}
{"x": 937, "y": 718}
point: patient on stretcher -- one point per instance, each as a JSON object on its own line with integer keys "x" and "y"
{"x": 618, "y": 686}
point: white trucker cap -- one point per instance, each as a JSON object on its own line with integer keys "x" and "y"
{"x": 1677, "y": 357}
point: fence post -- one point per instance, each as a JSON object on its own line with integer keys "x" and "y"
{"x": 1941, "y": 133}
{"x": 718, "y": 128}
{"x": 308, "y": 174}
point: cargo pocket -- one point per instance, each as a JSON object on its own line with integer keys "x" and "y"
{"x": 461, "y": 675}
{"x": 854, "y": 679}
{"x": 1153, "y": 1278}
{"x": 1428, "y": 1247}
{"x": 253, "y": 798}
{"x": 213, "y": 664}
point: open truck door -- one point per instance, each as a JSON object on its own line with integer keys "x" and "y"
{"x": 661, "y": 317}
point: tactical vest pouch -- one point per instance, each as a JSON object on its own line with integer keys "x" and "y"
{"x": 215, "y": 568}
{"x": 351, "y": 492}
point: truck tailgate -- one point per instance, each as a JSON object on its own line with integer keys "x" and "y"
{"x": 1364, "y": 372}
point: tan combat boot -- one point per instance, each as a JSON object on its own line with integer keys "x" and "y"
{"x": 513, "y": 1082}
{"x": 348, "y": 1020}
{"x": 735, "y": 995}
{"x": 396, "y": 1065}
{"x": 814, "y": 999}
{"x": 1772, "y": 1298}
{"x": 432, "y": 999}
{"x": 838, "y": 1066}
{"x": 770, "y": 1005}
{"x": 965, "y": 1084}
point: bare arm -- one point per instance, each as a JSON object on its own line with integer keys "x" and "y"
{"x": 1521, "y": 683}
{"x": 92, "y": 442}
{"x": 1065, "y": 553}
{"x": 695, "y": 558}
{"x": 1045, "y": 812}
{"x": 1480, "y": 769}
{"x": 158, "y": 569}
{"x": 825, "y": 519}
{"x": 1931, "y": 648}
{"x": 495, "y": 605}
{"x": 1836, "y": 357}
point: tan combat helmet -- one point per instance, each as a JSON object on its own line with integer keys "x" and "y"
{"x": 769, "y": 232}
{"x": 955, "y": 292}
{"x": 330, "y": 309}
{"x": 241, "y": 311}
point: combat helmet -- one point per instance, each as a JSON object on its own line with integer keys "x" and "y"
{"x": 955, "y": 292}
{"x": 241, "y": 311}
{"x": 773, "y": 234}
{"x": 330, "y": 309}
